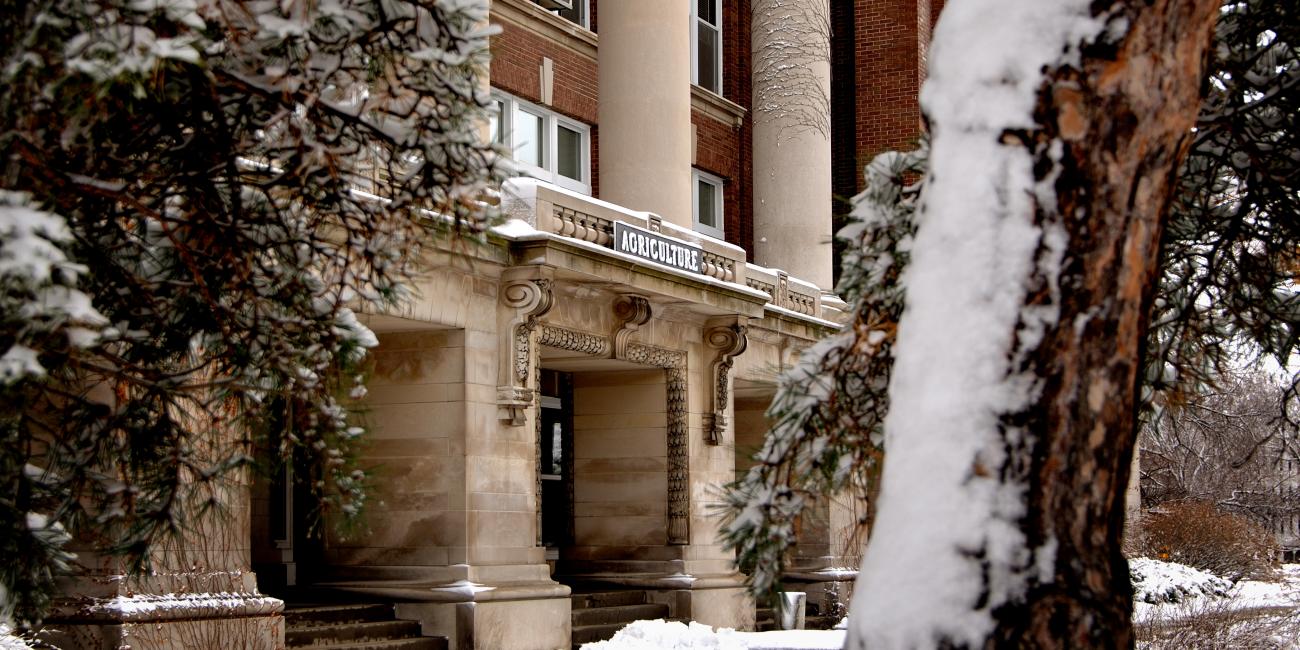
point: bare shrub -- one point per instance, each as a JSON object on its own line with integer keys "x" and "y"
{"x": 1210, "y": 624}
{"x": 1200, "y": 535}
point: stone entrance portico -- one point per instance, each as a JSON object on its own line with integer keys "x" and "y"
{"x": 456, "y": 403}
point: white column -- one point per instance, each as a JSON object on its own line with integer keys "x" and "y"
{"x": 792, "y": 146}
{"x": 645, "y": 107}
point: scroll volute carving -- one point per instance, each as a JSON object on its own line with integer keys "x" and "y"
{"x": 529, "y": 298}
{"x": 631, "y": 311}
{"x": 727, "y": 342}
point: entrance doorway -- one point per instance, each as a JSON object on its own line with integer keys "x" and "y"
{"x": 555, "y": 448}
{"x": 286, "y": 535}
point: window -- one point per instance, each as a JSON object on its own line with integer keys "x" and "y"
{"x": 706, "y": 44}
{"x": 707, "y": 194}
{"x": 574, "y": 11}
{"x": 545, "y": 145}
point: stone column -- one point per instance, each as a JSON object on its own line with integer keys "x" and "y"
{"x": 199, "y": 592}
{"x": 645, "y": 107}
{"x": 792, "y": 146}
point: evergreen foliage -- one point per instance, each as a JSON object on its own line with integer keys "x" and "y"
{"x": 1231, "y": 252}
{"x": 196, "y": 196}
{"x": 1230, "y": 257}
{"x": 829, "y": 408}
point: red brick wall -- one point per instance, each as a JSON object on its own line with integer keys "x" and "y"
{"x": 890, "y": 42}
{"x": 517, "y": 55}
{"x": 846, "y": 172}
{"x": 738, "y": 196}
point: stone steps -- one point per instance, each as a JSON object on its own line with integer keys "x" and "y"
{"x": 598, "y": 615}
{"x": 765, "y": 621}
{"x": 363, "y": 626}
{"x": 425, "y": 643}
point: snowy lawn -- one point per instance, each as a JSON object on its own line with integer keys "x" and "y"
{"x": 668, "y": 635}
{"x": 1176, "y": 606}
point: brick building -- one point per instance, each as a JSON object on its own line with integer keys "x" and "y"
{"x": 557, "y": 409}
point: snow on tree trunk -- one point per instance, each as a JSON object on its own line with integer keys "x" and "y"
{"x": 1057, "y": 130}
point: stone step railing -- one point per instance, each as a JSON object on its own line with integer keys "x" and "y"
{"x": 556, "y": 210}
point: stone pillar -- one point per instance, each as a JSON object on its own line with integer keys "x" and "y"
{"x": 645, "y": 107}
{"x": 199, "y": 592}
{"x": 792, "y": 146}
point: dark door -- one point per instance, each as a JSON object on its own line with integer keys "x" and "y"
{"x": 555, "y": 444}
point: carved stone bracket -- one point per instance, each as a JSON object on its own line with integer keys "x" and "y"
{"x": 530, "y": 298}
{"x": 631, "y": 311}
{"x": 728, "y": 342}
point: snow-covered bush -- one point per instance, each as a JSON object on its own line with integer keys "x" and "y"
{"x": 1157, "y": 582}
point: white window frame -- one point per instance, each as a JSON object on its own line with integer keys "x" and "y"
{"x": 551, "y": 121}
{"x": 584, "y": 12}
{"x": 695, "y": 44}
{"x": 719, "y": 231}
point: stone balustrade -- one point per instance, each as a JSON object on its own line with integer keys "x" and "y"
{"x": 559, "y": 211}
{"x": 786, "y": 292}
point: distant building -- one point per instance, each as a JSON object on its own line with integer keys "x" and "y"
{"x": 557, "y": 409}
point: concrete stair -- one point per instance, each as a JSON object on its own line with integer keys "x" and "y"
{"x": 353, "y": 627}
{"x": 598, "y": 615}
{"x": 765, "y": 620}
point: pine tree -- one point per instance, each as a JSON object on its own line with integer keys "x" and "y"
{"x": 1228, "y": 263}
{"x": 826, "y": 434}
{"x": 1231, "y": 252}
{"x": 197, "y": 197}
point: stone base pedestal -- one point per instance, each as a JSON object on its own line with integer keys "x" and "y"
{"x": 517, "y": 624}
{"x": 475, "y": 607}
{"x": 721, "y": 607}
{"x": 704, "y": 591}
{"x": 166, "y": 612}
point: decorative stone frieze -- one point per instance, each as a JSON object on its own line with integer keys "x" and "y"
{"x": 727, "y": 341}
{"x": 566, "y": 339}
{"x": 679, "y": 465}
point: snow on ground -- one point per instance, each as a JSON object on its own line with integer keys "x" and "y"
{"x": 10, "y": 642}
{"x": 1163, "y": 591}
{"x": 671, "y": 635}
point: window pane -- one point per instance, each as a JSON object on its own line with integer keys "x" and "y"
{"x": 568, "y": 153}
{"x": 577, "y": 14}
{"x": 705, "y": 10}
{"x": 556, "y": 464}
{"x": 707, "y": 197}
{"x": 707, "y": 57}
{"x": 529, "y": 145}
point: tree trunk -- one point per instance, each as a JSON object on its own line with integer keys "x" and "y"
{"x": 1043, "y": 567}
{"x": 1125, "y": 120}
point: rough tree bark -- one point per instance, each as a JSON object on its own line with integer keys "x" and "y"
{"x": 1111, "y": 124}
{"x": 1125, "y": 120}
